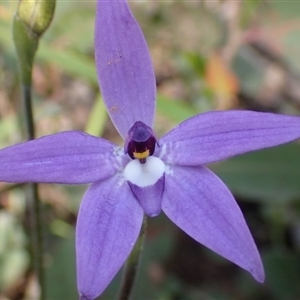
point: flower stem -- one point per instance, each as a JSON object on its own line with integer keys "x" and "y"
{"x": 132, "y": 264}
{"x": 27, "y": 104}
{"x": 34, "y": 206}
{"x": 26, "y": 40}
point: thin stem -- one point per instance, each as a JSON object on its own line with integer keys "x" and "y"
{"x": 29, "y": 23}
{"x": 132, "y": 264}
{"x": 27, "y": 104}
{"x": 34, "y": 203}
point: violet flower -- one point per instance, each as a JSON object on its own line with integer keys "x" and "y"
{"x": 148, "y": 175}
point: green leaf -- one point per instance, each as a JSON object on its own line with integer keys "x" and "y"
{"x": 61, "y": 274}
{"x": 267, "y": 175}
{"x": 282, "y": 273}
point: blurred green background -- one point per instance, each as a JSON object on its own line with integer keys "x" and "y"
{"x": 207, "y": 55}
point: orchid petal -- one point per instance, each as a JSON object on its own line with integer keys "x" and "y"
{"x": 218, "y": 135}
{"x": 125, "y": 72}
{"x": 70, "y": 157}
{"x": 108, "y": 225}
{"x": 147, "y": 181}
{"x": 200, "y": 204}
{"x": 149, "y": 197}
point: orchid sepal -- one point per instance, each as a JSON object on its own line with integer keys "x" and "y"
{"x": 199, "y": 203}
{"x": 218, "y": 135}
{"x": 108, "y": 225}
{"x": 70, "y": 157}
{"x": 121, "y": 52}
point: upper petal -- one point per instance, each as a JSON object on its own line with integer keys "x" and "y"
{"x": 124, "y": 67}
{"x": 217, "y": 135}
{"x": 199, "y": 203}
{"x": 67, "y": 157}
{"x": 108, "y": 225}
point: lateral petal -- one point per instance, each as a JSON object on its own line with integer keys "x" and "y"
{"x": 198, "y": 202}
{"x": 108, "y": 225}
{"x": 218, "y": 135}
{"x": 124, "y": 67}
{"x": 70, "y": 157}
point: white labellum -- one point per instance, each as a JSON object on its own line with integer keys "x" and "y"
{"x": 146, "y": 174}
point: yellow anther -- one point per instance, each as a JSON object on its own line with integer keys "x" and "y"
{"x": 141, "y": 155}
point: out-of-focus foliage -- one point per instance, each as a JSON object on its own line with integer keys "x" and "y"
{"x": 207, "y": 55}
{"x": 14, "y": 258}
{"x": 270, "y": 175}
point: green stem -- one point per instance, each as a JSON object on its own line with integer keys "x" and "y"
{"x": 29, "y": 23}
{"x": 34, "y": 206}
{"x": 132, "y": 264}
{"x": 27, "y": 104}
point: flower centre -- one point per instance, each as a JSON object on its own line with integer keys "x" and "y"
{"x": 140, "y": 142}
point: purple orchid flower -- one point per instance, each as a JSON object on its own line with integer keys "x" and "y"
{"x": 148, "y": 175}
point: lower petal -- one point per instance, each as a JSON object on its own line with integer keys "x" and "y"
{"x": 108, "y": 225}
{"x": 200, "y": 204}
